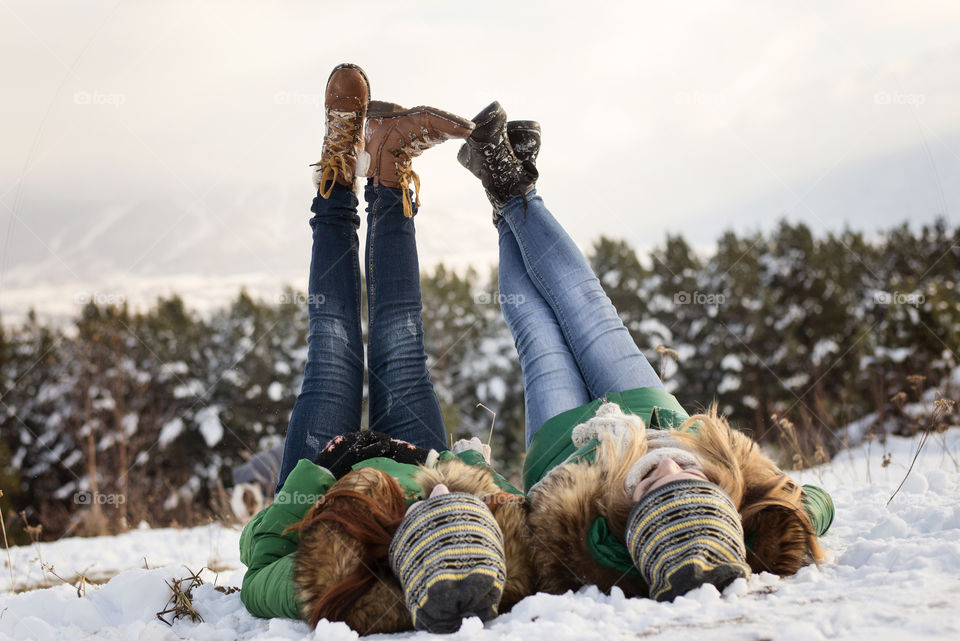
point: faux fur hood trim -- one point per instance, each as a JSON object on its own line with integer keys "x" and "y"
{"x": 563, "y": 506}
{"x": 326, "y": 554}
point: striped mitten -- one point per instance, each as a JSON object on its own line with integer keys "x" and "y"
{"x": 448, "y": 555}
{"x": 684, "y": 534}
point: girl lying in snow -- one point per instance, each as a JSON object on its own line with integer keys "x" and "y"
{"x": 389, "y": 532}
{"x": 338, "y": 541}
{"x": 656, "y": 511}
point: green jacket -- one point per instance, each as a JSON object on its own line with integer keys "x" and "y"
{"x": 268, "y": 587}
{"x": 553, "y": 445}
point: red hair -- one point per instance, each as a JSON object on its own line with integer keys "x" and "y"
{"x": 368, "y": 510}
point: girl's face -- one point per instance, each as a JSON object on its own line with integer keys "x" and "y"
{"x": 668, "y": 471}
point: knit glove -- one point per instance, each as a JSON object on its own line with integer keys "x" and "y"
{"x": 464, "y": 445}
{"x": 344, "y": 451}
{"x": 609, "y": 419}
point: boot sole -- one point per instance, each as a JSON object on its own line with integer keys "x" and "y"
{"x": 383, "y": 109}
{"x": 523, "y": 125}
{"x": 350, "y": 65}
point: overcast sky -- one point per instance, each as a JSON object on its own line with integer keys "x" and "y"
{"x": 151, "y": 145}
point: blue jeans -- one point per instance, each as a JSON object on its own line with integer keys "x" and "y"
{"x": 402, "y": 400}
{"x": 572, "y": 345}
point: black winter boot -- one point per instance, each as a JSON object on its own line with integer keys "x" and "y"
{"x": 524, "y": 137}
{"x": 489, "y": 156}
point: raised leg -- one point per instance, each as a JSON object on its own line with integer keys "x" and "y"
{"x": 551, "y": 377}
{"x": 331, "y": 395}
{"x": 607, "y": 357}
{"x": 403, "y": 403}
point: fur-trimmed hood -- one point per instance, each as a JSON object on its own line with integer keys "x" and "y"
{"x": 327, "y": 554}
{"x": 563, "y": 507}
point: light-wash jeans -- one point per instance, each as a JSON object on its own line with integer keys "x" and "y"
{"x": 572, "y": 345}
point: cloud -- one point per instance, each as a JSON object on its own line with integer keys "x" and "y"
{"x": 160, "y": 134}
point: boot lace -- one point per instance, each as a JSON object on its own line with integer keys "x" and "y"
{"x": 405, "y": 173}
{"x": 503, "y": 168}
{"x": 407, "y": 176}
{"x": 343, "y": 133}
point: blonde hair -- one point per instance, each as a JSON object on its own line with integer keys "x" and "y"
{"x": 778, "y": 530}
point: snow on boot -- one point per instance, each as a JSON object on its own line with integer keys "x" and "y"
{"x": 347, "y": 95}
{"x": 525, "y": 136}
{"x": 490, "y": 157}
{"x": 395, "y": 136}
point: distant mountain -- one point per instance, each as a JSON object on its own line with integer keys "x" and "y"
{"x": 261, "y": 239}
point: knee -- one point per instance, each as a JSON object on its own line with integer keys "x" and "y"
{"x": 331, "y": 335}
{"x": 396, "y": 336}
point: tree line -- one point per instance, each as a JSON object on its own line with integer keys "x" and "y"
{"x": 139, "y": 415}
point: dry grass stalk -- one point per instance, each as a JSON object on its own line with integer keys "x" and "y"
{"x": 492, "y": 422}
{"x": 226, "y": 589}
{"x": 942, "y": 407}
{"x": 869, "y": 438}
{"x": 923, "y": 441}
{"x": 34, "y": 531}
{"x": 6, "y": 546}
{"x": 181, "y": 601}
{"x": 80, "y": 583}
{"x": 665, "y": 353}
{"x": 789, "y": 431}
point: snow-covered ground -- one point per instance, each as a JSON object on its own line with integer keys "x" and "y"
{"x": 893, "y": 573}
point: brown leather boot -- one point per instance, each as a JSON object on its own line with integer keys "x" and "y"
{"x": 347, "y": 96}
{"x": 395, "y": 136}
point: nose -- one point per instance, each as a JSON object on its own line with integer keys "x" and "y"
{"x": 667, "y": 467}
{"x": 439, "y": 489}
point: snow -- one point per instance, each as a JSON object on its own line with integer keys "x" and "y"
{"x": 275, "y": 391}
{"x": 732, "y": 363}
{"x": 892, "y": 572}
{"x": 796, "y": 381}
{"x": 191, "y": 388}
{"x": 178, "y": 368}
{"x": 653, "y": 327}
{"x": 897, "y": 355}
{"x": 170, "y": 431}
{"x": 130, "y": 423}
{"x": 495, "y": 389}
{"x": 822, "y": 349}
{"x": 728, "y": 384}
{"x": 211, "y": 428}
